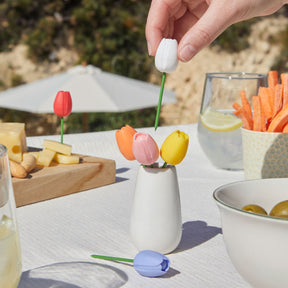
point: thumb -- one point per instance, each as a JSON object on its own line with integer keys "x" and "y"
{"x": 212, "y": 23}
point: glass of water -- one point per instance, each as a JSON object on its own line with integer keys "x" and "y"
{"x": 218, "y": 128}
{"x": 10, "y": 256}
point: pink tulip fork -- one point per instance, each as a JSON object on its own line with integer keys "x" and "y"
{"x": 145, "y": 149}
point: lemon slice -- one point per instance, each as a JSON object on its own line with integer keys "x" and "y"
{"x": 219, "y": 122}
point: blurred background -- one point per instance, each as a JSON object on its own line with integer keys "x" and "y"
{"x": 42, "y": 38}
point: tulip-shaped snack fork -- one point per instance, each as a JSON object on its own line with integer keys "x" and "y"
{"x": 166, "y": 61}
{"x": 147, "y": 263}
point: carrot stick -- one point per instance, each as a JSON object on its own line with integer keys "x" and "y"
{"x": 258, "y": 123}
{"x": 237, "y": 113}
{"x": 245, "y": 103}
{"x": 284, "y": 82}
{"x": 271, "y": 93}
{"x": 285, "y": 129}
{"x": 272, "y": 78}
{"x": 268, "y": 124}
{"x": 279, "y": 121}
{"x": 263, "y": 119}
{"x": 266, "y": 96}
{"x": 247, "y": 121}
{"x": 277, "y": 99}
{"x": 237, "y": 108}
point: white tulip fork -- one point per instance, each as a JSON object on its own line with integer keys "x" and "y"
{"x": 166, "y": 61}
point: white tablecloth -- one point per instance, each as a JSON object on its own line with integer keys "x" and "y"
{"x": 71, "y": 228}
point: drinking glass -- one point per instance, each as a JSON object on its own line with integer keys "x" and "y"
{"x": 222, "y": 144}
{"x": 10, "y": 256}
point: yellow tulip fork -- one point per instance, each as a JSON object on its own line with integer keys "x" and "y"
{"x": 174, "y": 148}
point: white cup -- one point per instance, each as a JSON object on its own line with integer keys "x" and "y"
{"x": 265, "y": 154}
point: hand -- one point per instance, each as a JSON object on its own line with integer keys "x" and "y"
{"x": 196, "y": 23}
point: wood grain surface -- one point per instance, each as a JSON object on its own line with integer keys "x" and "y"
{"x": 59, "y": 180}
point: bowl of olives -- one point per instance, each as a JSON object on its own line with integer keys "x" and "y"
{"x": 254, "y": 217}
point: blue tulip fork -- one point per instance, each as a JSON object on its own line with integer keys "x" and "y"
{"x": 147, "y": 263}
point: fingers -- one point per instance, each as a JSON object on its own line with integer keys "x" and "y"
{"x": 205, "y": 30}
{"x": 155, "y": 25}
{"x": 195, "y": 24}
{"x": 217, "y": 17}
{"x": 160, "y": 21}
{"x": 172, "y": 19}
{"x": 183, "y": 25}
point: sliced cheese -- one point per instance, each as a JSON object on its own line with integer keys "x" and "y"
{"x": 57, "y": 147}
{"x": 66, "y": 159}
{"x": 45, "y": 157}
{"x": 12, "y": 135}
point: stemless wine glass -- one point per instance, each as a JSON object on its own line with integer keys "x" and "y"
{"x": 10, "y": 256}
{"x": 218, "y": 128}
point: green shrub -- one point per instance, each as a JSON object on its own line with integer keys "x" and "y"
{"x": 108, "y": 34}
{"x": 17, "y": 80}
{"x": 2, "y": 85}
{"x": 41, "y": 40}
{"x": 109, "y": 121}
{"x": 235, "y": 38}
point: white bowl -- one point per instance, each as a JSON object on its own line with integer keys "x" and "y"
{"x": 257, "y": 244}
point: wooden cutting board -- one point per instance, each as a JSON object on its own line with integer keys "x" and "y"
{"x": 60, "y": 180}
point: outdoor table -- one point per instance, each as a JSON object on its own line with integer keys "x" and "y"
{"x": 71, "y": 228}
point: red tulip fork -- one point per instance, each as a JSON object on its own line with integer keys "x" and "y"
{"x": 62, "y": 107}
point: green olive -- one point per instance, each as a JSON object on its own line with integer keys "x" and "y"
{"x": 255, "y": 209}
{"x": 280, "y": 210}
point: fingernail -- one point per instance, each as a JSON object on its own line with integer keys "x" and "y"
{"x": 187, "y": 53}
{"x": 149, "y": 48}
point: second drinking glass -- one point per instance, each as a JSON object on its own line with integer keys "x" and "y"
{"x": 218, "y": 129}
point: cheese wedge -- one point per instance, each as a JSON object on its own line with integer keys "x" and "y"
{"x": 58, "y": 147}
{"x": 66, "y": 159}
{"x": 12, "y": 135}
{"x": 45, "y": 157}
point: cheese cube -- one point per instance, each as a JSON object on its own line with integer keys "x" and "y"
{"x": 66, "y": 159}
{"x": 45, "y": 157}
{"x": 12, "y": 135}
{"x": 58, "y": 147}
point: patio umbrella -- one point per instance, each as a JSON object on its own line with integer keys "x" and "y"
{"x": 92, "y": 90}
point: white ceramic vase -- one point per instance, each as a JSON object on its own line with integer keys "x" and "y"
{"x": 156, "y": 222}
